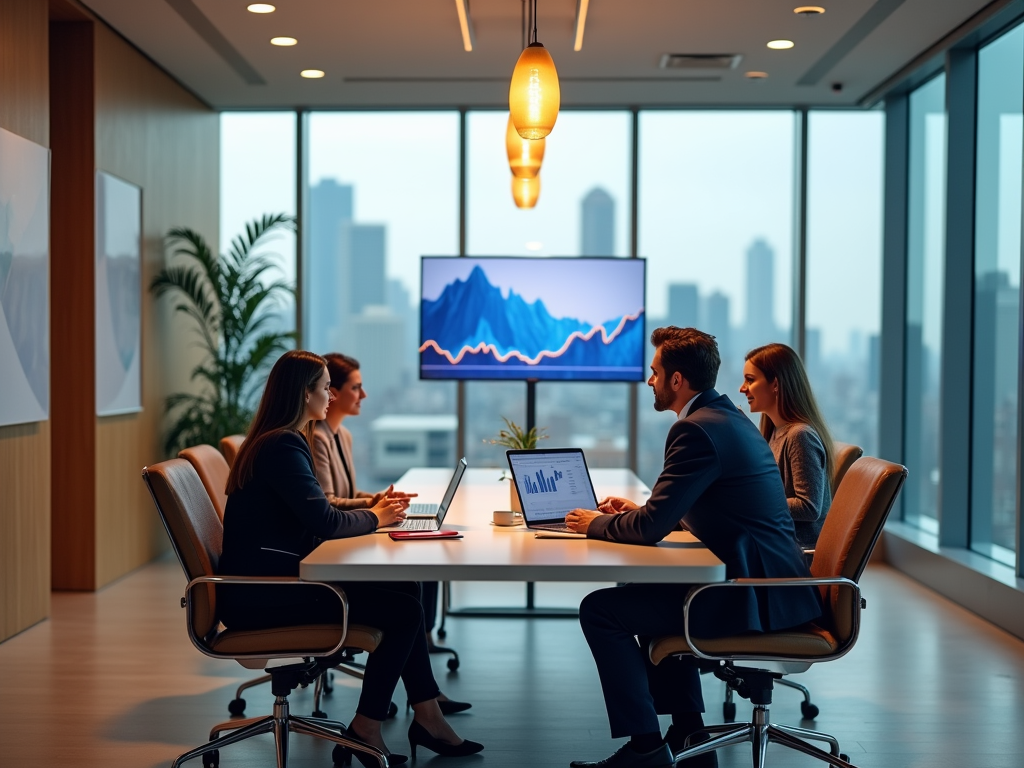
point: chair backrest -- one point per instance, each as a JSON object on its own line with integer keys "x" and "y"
{"x": 845, "y": 455}
{"x": 851, "y": 529}
{"x": 229, "y": 446}
{"x": 195, "y": 531}
{"x": 213, "y": 469}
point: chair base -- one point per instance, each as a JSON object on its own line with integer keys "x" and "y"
{"x": 281, "y": 723}
{"x": 759, "y": 732}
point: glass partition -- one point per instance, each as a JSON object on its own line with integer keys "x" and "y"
{"x": 997, "y": 328}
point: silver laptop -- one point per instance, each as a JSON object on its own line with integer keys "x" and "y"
{"x": 551, "y": 482}
{"x": 430, "y": 516}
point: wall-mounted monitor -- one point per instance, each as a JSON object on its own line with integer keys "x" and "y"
{"x": 507, "y": 318}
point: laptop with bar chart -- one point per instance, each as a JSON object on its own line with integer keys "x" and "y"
{"x": 551, "y": 482}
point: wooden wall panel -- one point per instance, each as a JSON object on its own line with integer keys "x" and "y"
{"x": 72, "y": 297}
{"x": 151, "y": 132}
{"x": 25, "y": 448}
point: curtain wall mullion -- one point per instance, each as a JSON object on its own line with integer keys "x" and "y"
{"x": 799, "y": 332}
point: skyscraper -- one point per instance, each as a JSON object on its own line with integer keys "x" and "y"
{"x": 760, "y": 321}
{"x": 598, "y": 224}
{"x": 683, "y": 305}
{"x": 330, "y": 206}
{"x": 364, "y": 254}
{"x": 715, "y": 320}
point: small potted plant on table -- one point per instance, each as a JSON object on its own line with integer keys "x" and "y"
{"x": 517, "y": 438}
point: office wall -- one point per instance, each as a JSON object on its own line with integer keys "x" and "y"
{"x": 153, "y": 133}
{"x": 25, "y": 448}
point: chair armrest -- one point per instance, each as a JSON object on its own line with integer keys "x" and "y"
{"x": 186, "y": 602}
{"x": 837, "y": 581}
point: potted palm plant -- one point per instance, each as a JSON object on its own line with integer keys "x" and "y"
{"x": 517, "y": 438}
{"x": 233, "y": 306}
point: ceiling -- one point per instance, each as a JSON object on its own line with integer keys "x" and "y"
{"x": 395, "y": 53}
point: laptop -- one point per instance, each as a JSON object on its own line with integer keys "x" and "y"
{"x": 430, "y": 516}
{"x": 551, "y": 482}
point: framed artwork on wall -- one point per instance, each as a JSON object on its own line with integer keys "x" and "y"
{"x": 24, "y": 280}
{"x": 118, "y": 296}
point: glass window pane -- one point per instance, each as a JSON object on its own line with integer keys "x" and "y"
{"x": 715, "y": 223}
{"x": 257, "y": 176}
{"x": 584, "y": 209}
{"x": 926, "y": 200}
{"x": 844, "y": 270}
{"x": 997, "y": 296}
{"x": 384, "y": 191}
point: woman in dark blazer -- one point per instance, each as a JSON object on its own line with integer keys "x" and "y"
{"x": 277, "y": 514}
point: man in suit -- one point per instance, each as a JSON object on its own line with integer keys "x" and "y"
{"x": 721, "y": 482}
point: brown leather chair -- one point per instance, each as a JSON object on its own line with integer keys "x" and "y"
{"x": 213, "y": 469}
{"x": 754, "y": 662}
{"x": 196, "y": 534}
{"x": 845, "y": 455}
{"x": 230, "y": 446}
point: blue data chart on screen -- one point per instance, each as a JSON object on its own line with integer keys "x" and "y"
{"x": 552, "y": 484}
{"x": 541, "y": 318}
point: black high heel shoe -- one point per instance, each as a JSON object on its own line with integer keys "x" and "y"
{"x": 420, "y": 737}
{"x": 447, "y": 706}
{"x": 343, "y": 755}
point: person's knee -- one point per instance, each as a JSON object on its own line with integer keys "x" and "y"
{"x": 594, "y": 613}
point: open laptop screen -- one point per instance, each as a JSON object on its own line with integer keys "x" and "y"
{"x": 551, "y": 482}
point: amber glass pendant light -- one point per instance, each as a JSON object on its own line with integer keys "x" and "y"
{"x": 524, "y": 155}
{"x": 534, "y": 95}
{"x": 526, "y": 192}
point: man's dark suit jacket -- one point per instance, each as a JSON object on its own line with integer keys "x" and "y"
{"x": 721, "y": 480}
{"x": 275, "y": 520}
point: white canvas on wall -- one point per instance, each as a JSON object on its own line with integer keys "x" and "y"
{"x": 24, "y": 280}
{"x": 118, "y": 296}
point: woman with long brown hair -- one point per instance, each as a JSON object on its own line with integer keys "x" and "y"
{"x": 776, "y": 386}
{"x": 277, "y": 514}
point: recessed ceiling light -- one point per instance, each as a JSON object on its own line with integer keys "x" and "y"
{"x": 755, "y": 75}
{"x": 809, "y": 10}
{"x": 284, "y": 41}
{"x": 261, "y": 8}
{"x": 780, "y": 45}
{"x": 312, "y": 74}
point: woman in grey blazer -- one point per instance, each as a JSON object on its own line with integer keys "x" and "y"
{"x": 776, "y": 386}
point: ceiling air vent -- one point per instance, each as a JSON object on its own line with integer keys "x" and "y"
{"x": 700, "y": 60}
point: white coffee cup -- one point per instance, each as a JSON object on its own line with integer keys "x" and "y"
{"x": 503, "y": 517}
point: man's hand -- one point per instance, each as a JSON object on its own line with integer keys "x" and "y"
{"x": 579, "y": 519}
{"x": 614, "y": 505}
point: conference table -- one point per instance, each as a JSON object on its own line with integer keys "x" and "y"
{"x": 498, "y": 553}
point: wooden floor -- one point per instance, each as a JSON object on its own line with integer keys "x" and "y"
{"x": 111, "y": 680}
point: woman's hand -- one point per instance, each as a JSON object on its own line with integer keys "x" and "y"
{"x": 388, "y": 512}
{"x": 401, "y": 497}
{"x": 614, "y": 505}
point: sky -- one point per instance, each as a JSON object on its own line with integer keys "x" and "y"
{"x": 710, "y": 184}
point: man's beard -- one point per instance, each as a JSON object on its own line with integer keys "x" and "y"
{"x": 662, "y": 399}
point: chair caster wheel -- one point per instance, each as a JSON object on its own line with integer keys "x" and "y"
{"x": 236, "y": 706}
{"x": 729, "y": 711}
{"x": 328, "y": 683}
{"x": 211, "y": 759}
{"x": 341, "y": 755}
{"x": 319, "y": 713}
{"x": 453, "y": 664}
{"x": 392, "y": 711}
{"x": 808, "y": 710}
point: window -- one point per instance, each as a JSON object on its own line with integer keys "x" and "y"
{"x": 926, "y": 199}
{"x": 997, "y": 296}
{"x": 584, "y": 209}
{"x": 715, "y": 223}
{"x": 844, "y": 263}
{"x": 384, "y": 190}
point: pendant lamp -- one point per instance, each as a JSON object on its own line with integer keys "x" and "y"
{"x": 534, "y": 95}
{"x": 526, "y": 192}
{"x": 524, "y": 155}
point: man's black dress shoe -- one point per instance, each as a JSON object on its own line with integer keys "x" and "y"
{"x": 675, "y": 739}
{"x": 627, "y": 758}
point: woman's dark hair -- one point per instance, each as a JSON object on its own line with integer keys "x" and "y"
{"x": 340, "y": 367}
{"x": 691, "y": 353}
{"x": 281, "y": 408}
{"x": 781, "y": 364}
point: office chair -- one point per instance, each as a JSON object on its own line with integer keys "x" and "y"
{"x": 293, "y": 655}
{"x": 845, "y": 455}
{"x": 229, "y": 446}
{"x": 751, "y": 664}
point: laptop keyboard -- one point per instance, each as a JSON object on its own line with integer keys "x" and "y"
{"x": 417, "y": 524}
{"x": 555, "y": 527}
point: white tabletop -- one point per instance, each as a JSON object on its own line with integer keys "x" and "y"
{"x": 493, "y": 553}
